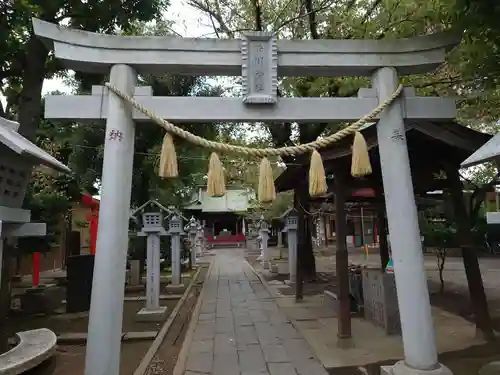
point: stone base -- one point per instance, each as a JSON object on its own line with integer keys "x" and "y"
{"x": 290, "y": 282}
{"x": 400, "y": 368}
{"x": 145, "y": 315}
{"x": 492, "y": 368}
{"x": 175, "y": 289}
{"x": 274, "y": 268}
{"x": 265, "y": 265}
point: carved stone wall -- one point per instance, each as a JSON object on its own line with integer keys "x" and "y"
{"x": 380, "y": 300}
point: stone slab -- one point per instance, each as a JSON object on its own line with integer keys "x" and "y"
{"x": 145, "y": 335}
{"x": 158, "y": 315}
{"x": 401, "y": 369}
{"x": 175, "y": 289}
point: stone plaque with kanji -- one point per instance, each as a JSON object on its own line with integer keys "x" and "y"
{"x": 259, "y": 68}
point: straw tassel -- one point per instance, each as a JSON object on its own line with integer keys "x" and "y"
{"x": 317, "y": 178}
{"x": 361, "y": 165}
{"x": 216, "y": 184}
{"x": 267, "y": 191}
{"x": 168, "y": 158}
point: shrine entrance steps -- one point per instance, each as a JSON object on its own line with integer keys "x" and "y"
{"x": 239, "y": 329}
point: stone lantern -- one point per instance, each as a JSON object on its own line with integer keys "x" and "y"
{"x": 175, "y": 231}
{"x": 18, "y": 157}
{"x": 200, "y": 239}
{"x": 264, "y": 235}
{"x": 192, "y": 230}
{"x": 152, "y": 228}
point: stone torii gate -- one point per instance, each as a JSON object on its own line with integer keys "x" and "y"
{"x": 259, "y": 58}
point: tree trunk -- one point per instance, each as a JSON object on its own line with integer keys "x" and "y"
{"x": 471, "y": 264}
{"x": 305, "y": 254}
{"x": 33, "y": 75}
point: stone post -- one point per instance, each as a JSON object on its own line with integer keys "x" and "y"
{"x": 152, "y": 229}
{"x": 106, "y": 310}
{"x": 291, "y": 228}
{"x": 411, "y": 280}
{"x": 135, "y": 272}
{"x": 264, "y": 233}
{"x": 192, "y": 230}
{"x": 199, "y": 240}
{"x": 153, "y": 272}
{"x": 175, "y": 232}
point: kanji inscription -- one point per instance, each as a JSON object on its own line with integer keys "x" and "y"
{"x": 259, "y": 68}
{"x": 115, "y": 135}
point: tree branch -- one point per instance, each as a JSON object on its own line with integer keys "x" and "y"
{"x": 258, "y": 15}
{"x": 311, "y": 15}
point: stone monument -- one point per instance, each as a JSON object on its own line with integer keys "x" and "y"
{"x": 259, "y": 58}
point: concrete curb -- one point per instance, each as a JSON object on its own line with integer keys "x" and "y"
{"x": 143, "y": 366}
{"x": 81, "y": 338}
{"x": 180, "y": 365}
{"x": 264, "y": 282}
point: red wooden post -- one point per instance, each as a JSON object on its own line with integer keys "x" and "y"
{"x": 36, "y": 269}
{"x": 93, "y": 230}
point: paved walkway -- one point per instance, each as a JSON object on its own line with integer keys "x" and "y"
{"x": 241, "y": 330}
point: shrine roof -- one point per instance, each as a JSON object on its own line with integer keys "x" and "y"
{"x": 429, "y": 145}
{"x": 235, "y": 200}
{"x": 489, "y": 151}
{"x": 10, "y": 138}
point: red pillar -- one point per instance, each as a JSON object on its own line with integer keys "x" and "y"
{"x": 36, "y": 269}
{"x": 94, "y": 223}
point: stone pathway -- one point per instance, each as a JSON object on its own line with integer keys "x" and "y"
{"x": 241, "y": 330}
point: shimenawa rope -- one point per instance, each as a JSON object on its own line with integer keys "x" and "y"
{"x": 317, "y": 180}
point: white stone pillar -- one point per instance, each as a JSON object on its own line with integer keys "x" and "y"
{"x": 411, "y": 279}
{"x": 199, "y": 241}
{"x": 153, "y": 311}
{"x": 243, "y": 226}
{"x": 264, "y": 233}
{"x": 106, "y": 310}
{"x": 153, "y": 272}
{"x": 176, "y": 259}
{"x": 292, "y": 253}
{"x": 192, "y": 242}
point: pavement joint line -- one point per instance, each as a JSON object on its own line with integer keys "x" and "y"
{"x": 180, "y": 365}
{"x": 292, "y": 321}
{"x": 146, "y": 360}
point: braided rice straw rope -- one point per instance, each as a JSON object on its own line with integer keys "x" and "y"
{"x": 258, "y": 152}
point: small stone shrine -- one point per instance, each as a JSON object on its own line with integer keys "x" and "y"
{"x": 152, "y": 228}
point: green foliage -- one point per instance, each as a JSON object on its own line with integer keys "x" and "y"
{"x": 439, "y": 235}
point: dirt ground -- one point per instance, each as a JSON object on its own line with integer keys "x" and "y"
{"x": 165, "y": 359}
{"x": 65, "y": 323}
{"x": 70, "y": 359}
